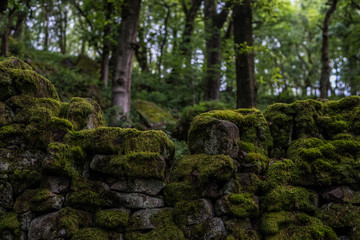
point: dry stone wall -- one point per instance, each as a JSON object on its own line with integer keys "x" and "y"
{"x": 292, "y": 172}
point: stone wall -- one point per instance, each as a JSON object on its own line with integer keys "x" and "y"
{"x": 290, "y": 173}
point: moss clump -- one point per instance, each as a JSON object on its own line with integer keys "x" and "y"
{"x": 179, "y": 191}
{"x": 84, "y": 195}
{"x": 255, "y": 162}
{"x": 240, "y": 229}
{"x": 164, "y": 228}
{"x": 62, "y": 159}
{"x": 9, "y": 222}
{"x": 22, "y": 179}
{"x": 287, "y": 225}
{"x": 11, "y": 134}
{"x": 138, "y": 164}
{"x": 5, "y": 116}
{"x": 90, "y": 234}
{"x": 106, "y": 140}
{"x": 154, "y": 116}
{"x": 251, "y": 124}
{"x": 72, "y": 220}
{"x": 84, "y": 113}
{"x": 116, "y": 220}
{"x": 339, "y": 215}
{"x": 201, "y": 168}
{"x": 192, "y": 212}
{"x": 242, "y": 205}
{"x": 282, "y": 171}
{"x": 285, "y": 197}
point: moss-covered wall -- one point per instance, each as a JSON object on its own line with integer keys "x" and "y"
{"x": 290, "y": 173}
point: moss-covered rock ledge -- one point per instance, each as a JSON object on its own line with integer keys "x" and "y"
{"x": 292, "y": 172}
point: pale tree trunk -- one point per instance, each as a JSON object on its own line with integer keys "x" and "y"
{"x": 124, "y": 60}
{"x": 245, "y": 73}
{"x": 325, "y": 61}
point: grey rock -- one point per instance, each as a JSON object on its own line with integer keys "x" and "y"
{"x": 147, "y": 186}
{"x": 221, "y": 207}
{"x": 25, "y": 219}
{"x": 58, "y": 185}
{"x": 143, "y": 217}
{"x": 44, "y": 227}
{"x": 342, "y": 194}
{"x": 138, "y": 200}
{"x": 215, "y": 229}
{"x": 6, "y": 195}
{"x": 219, "y": 138}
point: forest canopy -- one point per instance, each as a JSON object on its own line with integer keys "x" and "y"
{"x": 176, "y": 53}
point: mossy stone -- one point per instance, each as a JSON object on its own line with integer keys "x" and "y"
{"x": 289, "y": 198}
{"x": 90, "y": 234}
{"x": 9, "y": 222}
{"x": 164, "y": 228}
{"x": 201, "y": 168}
{"x": 135, "y": 165}
{"x": 24, "y": 178}
{"x": 242, "y": 205}
{"x": 154, "y": 116}
{"x": 112, "y": 219}
{"x": 179, "y": 191}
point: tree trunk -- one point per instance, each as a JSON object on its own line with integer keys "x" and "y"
{"x": 245, "y": 73}
{"x": 352, "y": 68}
{"x": 189, "y": 26}
{"x": 5, "y": 43}
{"x": 141, "y": 52}
{"x": 105, "y": 56}
{"x": 46, "y": 30}
{"x": 325, "y": 61}
{"x": 124, "y": 60}
{"x": 213, "y": 24}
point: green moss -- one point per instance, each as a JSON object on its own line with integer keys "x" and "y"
{"x": 22, "y": 179}
{"x": 188, "y": 212}
{"x": 255, "y": 162}
{"x": 271, "y": 222}
{"x": 240, "y": 229}
{"x": 201, "y": 168}
{"x": 14, "y": 63}
{"x": 138, "y": 164}
{"x": 10, "y": 222}
{"x": 285, "y": 197}
{"x": 84, "y": 113}
{"x": 71, "y": 220}
{"x": 287, "y": 225}
{"x": 11, "y": 134}
{"x": 154, "y": 116}
{"x": 90, "y": 234}
{"x": 242, "y": 205}
{"x": 179, "y": 191}
{"x": 282, "y": 171}
{"x": 164, "y": 228}
{"x": 339, "y": 215}
{"x": 84, "y": 195}
{"x": 62, "y": 159}
{"x": 106, "y": 140}
{"x": 5, "y": 116}
{"x": 30, "y": 83}
{"x": 310, "y": 154}
{"x": 116, "y": 220}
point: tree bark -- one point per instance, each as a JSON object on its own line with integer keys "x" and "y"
{"x": 124, "y": 60}
{"x": 105, "y": 56}
{"x": 141, "y": 52}
{"x": 213, "y": 24}
{"x": 245, "y": 73}
{"x": 46, "y": 30}
{"x": 352, "y": 65}
{"x": 325, "y": 61}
